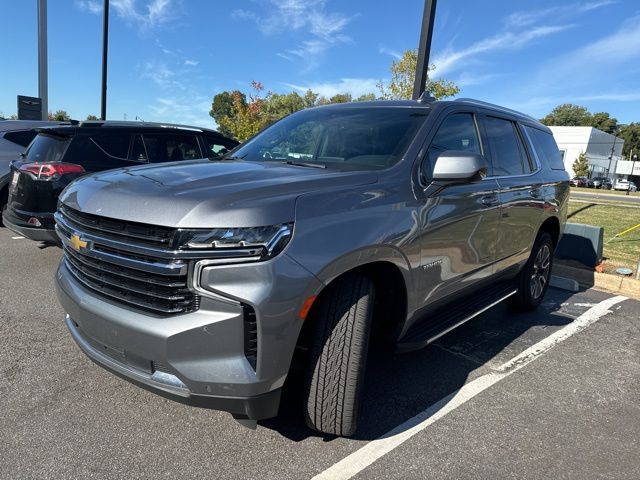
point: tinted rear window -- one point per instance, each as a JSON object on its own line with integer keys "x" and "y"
{"x": 508, "y": 156}
{"x": 47, "y": 148}
{"x": 22, "y": 137}
{"x": 546, "y": 148}
{"x": 171, "y": 148}
{"x": 113, "y": 144}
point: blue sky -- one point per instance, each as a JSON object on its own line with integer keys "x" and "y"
{"x": 167, "y": 58}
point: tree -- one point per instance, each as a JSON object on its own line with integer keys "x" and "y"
{"x": 581, "y": 165}
{"x": 605, "y": 122}
{"x": 367, "y": 97}
{"x": 223, "y": 106}
{"x": 92, "y": 117}
{"x": 403, "y": 74}
{"x": 59, "y": 116}
{"x": 245, "y": 118}
{"x": 568, "y": 115}
{"x": 631, "y": 136}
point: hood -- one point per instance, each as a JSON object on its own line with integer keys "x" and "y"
{"x": 205, "y": 194}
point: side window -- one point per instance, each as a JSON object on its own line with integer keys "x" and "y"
{"x": 113, "y": 144}
{"x": 182, "y": 147}
{"x": 457, "y": 132}
{"x": 21, "y": 137}
{"x": 138, "y": 153}
{"x": 85, "y": 151}
{"x": 171, "y": 148}
{"x": 546, "y": 148}
{"x": 508, "y": 155}
{"x": 215, "y": 147}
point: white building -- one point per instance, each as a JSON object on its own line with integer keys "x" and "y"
{"x": 596, "y": 144}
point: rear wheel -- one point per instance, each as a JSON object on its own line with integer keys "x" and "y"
{"x": 533, "y": 280}
{"x": 338, "y": 355}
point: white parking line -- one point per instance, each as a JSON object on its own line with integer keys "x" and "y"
{"x": 372, "y": 451}
{"x": 17, "y": 238}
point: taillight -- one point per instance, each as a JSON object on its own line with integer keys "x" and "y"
{"x": 49, "y": 170}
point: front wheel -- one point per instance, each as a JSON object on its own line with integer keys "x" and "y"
{"x": 533, "y": 280}
{"x": 338, "y": 355}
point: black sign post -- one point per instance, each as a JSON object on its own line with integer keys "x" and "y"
{"x": 424, "y": 48}
{"x": 29, "y": 108}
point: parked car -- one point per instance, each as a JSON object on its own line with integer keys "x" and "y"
{"x": 601, "y": 182}
{"x": 207, "y": 282}
{"x": 15, "y": 136}
{"x": 625, "y": 185}
{"x": 579, "y": 181}
{"x": 59, "y": 155}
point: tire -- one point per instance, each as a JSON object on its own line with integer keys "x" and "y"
{"x": 533, "y": 280}
{"x": 338, "y": 356}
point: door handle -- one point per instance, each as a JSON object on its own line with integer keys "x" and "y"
{"x": 490, "y": 200}
{"x": 535, "y": 193}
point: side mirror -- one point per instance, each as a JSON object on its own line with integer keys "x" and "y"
{"x": 456, "y": 166}
{"x": 22, "y": 155}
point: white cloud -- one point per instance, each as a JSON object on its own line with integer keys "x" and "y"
{"x": 522, "y": 19}
{"x": 451, "y": 59}
{"x": 467, "y": 79}
{"x": 601, "y": 62}
{"x": 162, "y": 75}
{"x": 91, "y": 6}
{"x": 387, "y": 51}
{"x": 325, "y": 29}
{"x": 354, "y": 86}
{"x": 184, "y": 109}
{"x": 191, "y": 63}
{"x": 152, "y": 14}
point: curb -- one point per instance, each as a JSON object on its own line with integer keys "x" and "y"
{"x": 600, "y": 281}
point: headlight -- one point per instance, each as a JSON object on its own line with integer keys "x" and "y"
{"x": 271, "y": 240}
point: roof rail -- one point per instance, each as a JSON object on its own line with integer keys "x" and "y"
{"x": 496, "y": 107}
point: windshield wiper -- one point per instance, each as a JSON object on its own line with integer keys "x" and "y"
{"x": 232, "y": 157}
{"x": 306, "y": 164}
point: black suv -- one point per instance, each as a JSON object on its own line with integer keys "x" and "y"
{"x": 59, "y": 155}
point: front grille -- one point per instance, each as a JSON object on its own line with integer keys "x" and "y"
{"x": 118, "y": 265}
{"x": 142, "y": 233}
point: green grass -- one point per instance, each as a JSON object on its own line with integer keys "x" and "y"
{"x": 623, "y": 250}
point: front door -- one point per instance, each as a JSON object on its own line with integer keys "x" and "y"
{"x": 459, "y": 224}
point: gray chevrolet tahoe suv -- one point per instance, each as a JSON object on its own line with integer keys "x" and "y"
{"x": 399, "y": 221}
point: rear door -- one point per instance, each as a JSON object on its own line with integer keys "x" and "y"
{"x": 520, "y": 184}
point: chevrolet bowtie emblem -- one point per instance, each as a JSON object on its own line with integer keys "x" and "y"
{"x": 77, "y": 243}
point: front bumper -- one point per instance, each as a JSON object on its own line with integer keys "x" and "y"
{"x": 198, "y": 358}
{"x": 168, "y": 385}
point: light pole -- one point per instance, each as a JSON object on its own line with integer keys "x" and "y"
{"x": 424, "y": 48}
{"x": 105, "y": 44}
{"x": 43, "y": 87}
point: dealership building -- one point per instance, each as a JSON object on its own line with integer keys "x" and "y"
{"x": 603, "y": 150}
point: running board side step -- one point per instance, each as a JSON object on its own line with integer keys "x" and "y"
{"x": 446, "y": 318}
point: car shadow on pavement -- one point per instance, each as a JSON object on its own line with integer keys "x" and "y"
{"x": 399, "y": 386}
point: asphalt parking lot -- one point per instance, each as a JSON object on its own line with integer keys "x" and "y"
{"x": 550, "y": 394}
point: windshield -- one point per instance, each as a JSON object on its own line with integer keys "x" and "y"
{"x": 354, "y": 138}
{"x": 47, "y": 148}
